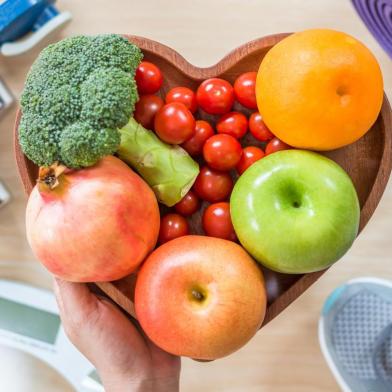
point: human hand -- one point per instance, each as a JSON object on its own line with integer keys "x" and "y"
{"x": 124, "y": 357}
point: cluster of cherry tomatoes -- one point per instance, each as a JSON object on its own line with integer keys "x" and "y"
{"x": 173, "y": 120}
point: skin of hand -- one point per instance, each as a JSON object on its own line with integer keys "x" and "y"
{"x": 124, "y": 357}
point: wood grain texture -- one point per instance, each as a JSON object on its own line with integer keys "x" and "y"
{"x": 368, "y": 161}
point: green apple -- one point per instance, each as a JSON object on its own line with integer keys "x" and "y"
{"x": 295, "y": 211}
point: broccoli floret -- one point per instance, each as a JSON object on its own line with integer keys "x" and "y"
{"x": 42, "y": 146}
{"x": 77, "y": 95}
{"x": 105, "y": 102}
{"x": 81, "y": 145}
{"x": 118, "y": 54}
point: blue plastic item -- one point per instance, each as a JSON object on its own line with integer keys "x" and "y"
{"x": 20, "y": 17}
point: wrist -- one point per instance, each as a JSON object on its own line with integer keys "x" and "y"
{"x": 167, "y": 385}
{"x": 127, "y": 386}
{"x": 140, "y": 384}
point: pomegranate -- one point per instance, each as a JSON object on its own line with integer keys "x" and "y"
{"x": 92, "y": 225}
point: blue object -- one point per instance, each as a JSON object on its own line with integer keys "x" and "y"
{"x": 49, "y": 13}
{"x": 18, "y": 17}
{"x": 355, "y": 333}
{"x": 24, "y": 23}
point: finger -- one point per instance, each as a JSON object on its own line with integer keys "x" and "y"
{"x": 73, "y": 297}
{"x": 133, "y": 323}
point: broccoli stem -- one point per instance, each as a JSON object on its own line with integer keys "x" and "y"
{"x": 168, "y": 169}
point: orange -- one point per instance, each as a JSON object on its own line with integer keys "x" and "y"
{"x": 319, "y": 89}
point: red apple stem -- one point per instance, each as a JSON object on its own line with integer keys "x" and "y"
{"x": 197, "y": 295}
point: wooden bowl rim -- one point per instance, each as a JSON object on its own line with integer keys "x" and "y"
{"x": 198, "y": 73}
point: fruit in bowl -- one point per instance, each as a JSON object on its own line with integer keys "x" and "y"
{"x": 200, "y": 297}
{"x": 319, "y": 89}
{"x": 169, "y": 169}
{"x": 92, "y": 225}
{"x": 295, "y": 211}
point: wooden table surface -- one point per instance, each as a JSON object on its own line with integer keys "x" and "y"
{"x": 285, "y": 356}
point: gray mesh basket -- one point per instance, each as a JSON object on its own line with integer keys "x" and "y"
{"x": 355, "y": 332}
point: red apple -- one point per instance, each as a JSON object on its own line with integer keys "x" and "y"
{"x": 200, "y": 297}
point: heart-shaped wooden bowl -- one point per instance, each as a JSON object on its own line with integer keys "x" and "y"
{"x": 368, "y": 161}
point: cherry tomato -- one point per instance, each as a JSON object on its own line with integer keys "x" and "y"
{"x": 245, "y": 90}
{"x": 146, "y": 108}
{"x": 148, "y": 78}
{"x": 203, "y": 131}
{"x": 174, "y": 123}
{"x": 184, "y": 95}
{"x": 258, "y": 128}
{"x": 188, "y": 205}
{"x": 172, "y": 226}
{"x": 234, "y": 124}
{"x": 276, "y": 145}
{"x": 212, "y": 185}
{"x": 249, "y": 156}
{"x": 215, "y": 96}
{"x": 216, "y": 221}
{"x": 222, "y": 152}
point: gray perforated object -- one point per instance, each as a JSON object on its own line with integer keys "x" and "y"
{"x": 355, "y": 332}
